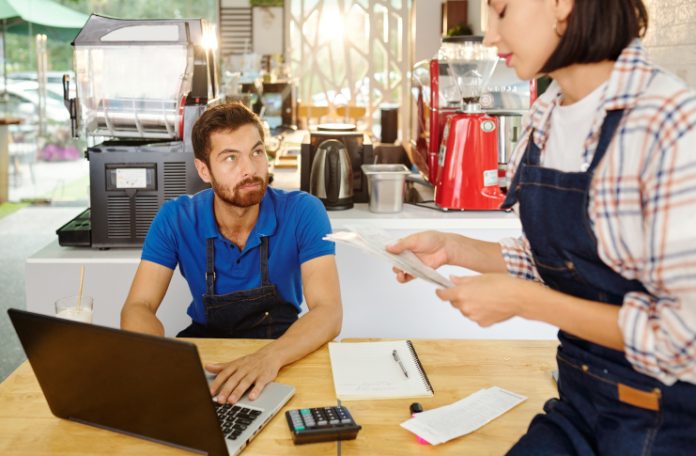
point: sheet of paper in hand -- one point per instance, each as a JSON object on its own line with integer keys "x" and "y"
{"x": 374, "y": 241}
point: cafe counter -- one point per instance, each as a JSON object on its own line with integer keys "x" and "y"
{"x": 374, "y": 304}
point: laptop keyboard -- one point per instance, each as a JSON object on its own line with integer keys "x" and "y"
{"x": 235, "y": 419}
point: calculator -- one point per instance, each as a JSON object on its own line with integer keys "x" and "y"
{"x": 321, "y": 424}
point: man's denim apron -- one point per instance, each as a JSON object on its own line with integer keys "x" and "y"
{"x": 605, "y": 406}
{"x": 258, "y": 313}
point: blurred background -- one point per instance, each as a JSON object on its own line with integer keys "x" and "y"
{"x": 46, "y": 164}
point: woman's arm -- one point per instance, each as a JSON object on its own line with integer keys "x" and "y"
{"x": 492, "y": 298}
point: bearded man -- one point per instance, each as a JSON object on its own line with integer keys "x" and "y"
{"x": 249, "y": 254}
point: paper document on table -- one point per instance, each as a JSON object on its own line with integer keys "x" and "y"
{"x": 375, "y": 242}
{"x": 462, "y": 417}
{"x": 378, "y": 370}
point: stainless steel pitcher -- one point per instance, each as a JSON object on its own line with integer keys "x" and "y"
{"x": 331, "y": 179}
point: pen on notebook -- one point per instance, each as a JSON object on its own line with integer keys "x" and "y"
{"x": 395, "y": 355}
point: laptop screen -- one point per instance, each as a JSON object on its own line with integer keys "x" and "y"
{"x": 142, "y": 385}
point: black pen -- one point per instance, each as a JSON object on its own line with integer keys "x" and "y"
{"x": 395, "y": 355}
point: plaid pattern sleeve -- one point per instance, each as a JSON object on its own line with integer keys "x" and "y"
{"x": 518, "y": 258}
{"x": 642, "y": 206}
{"x": 645, "y": 229}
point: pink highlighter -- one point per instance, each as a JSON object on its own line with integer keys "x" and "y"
{"x": 417, "y": 408}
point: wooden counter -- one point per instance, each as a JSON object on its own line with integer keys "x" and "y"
{"x": 456, "y": 368}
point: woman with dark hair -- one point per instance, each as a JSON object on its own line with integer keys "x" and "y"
{"x": 604, "y": 183}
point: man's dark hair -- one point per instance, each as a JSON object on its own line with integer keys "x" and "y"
{"x": 224, "y": 117}
{"x": 598, "y": 30}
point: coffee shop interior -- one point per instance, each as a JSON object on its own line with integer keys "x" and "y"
{"x": 365, "y": 104}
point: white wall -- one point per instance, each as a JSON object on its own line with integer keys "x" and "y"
{"x": 426, "y": 24}
{"x": 234, "y": 3}
{"x": 476, "y": 10}
{"x": 671, "y": 40}
{"x": 268, "y": 30}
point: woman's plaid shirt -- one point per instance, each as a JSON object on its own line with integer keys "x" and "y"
{"x": 642, "y": 206}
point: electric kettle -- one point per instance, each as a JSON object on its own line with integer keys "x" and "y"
{"x": 331, "y": 178}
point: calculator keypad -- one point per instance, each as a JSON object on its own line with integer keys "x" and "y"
{"x": 321, "y": 424}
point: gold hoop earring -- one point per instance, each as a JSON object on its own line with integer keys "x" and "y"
{"x": 555, "y": 30}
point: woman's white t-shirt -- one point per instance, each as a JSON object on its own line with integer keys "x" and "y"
{"x": 570, "y": 126}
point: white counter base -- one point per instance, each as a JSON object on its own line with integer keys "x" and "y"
{"x": 374, "y": 304}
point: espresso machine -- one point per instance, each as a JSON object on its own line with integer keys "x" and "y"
{"x": 141, "y": 85}
{"x": 467, "y": 168}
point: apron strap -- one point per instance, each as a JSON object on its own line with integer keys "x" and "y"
{"x": 533, "y": 154}
{"x": 611, "y": 123}
{"x": 263, "y": 260}
{"x": 530, "y": 157}
{"x": 210, "y": 266}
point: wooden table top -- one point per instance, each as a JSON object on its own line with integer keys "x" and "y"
{"x": 456, "y": 368}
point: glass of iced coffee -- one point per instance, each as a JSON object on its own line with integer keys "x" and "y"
{"x": 75, "y": 308}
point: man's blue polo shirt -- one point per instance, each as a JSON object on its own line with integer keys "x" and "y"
{"x": 294, "y": 222}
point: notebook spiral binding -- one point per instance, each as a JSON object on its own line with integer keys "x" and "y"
{"x": 421, "y": 371}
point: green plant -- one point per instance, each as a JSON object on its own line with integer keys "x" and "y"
{"x": 8, "y": 208}
{"x": 461, "y": 29}
{"x": 266, "y": 2}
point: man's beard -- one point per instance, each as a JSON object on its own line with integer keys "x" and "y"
{"x": 235, "y": 197}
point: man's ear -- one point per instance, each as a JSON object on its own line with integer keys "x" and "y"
{"x": 203, "y": 170}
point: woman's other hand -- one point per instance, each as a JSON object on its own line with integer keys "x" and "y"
{"x": 487, "y": 299}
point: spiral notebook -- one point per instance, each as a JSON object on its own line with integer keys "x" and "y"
{"x": 378, "y": 370}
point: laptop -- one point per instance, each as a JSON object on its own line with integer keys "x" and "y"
{"x": 145, "y": 386}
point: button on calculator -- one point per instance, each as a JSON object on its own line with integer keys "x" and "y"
{"x": 321, "y": 424}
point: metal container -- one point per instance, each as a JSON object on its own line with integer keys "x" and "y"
{"x": 331, "y": 179}
{"x": 509, "y": 131}
{"x": 385, "y": 184}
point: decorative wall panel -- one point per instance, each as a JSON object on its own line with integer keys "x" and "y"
{"x": 350, "y": 52}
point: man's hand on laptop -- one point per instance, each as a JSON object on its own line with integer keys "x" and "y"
{"x": 234, "y": 378}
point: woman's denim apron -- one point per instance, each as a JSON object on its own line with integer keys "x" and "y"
{"x": 605, "y": 406}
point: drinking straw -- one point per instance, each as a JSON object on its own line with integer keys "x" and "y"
{"x": 82, "y": 281}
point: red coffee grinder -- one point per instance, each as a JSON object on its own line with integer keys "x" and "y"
{"x": 467, "y": 159}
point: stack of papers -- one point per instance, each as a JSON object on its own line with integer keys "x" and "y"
{"x": 375, "y": 242}
{"x": 462, "y": 417}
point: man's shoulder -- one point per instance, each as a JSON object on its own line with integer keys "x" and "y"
{"x": 293, "y": 201}
{"x": 185, "y": 208}
{"x": 188, "y": 203}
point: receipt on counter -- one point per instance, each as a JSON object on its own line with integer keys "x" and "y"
{"x": 375, "y": 242}
{"x": 462, "y": 417}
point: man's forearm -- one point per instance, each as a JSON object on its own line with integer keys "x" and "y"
{"x": 307, "y": 334}
{"x": 139, "y": 318}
